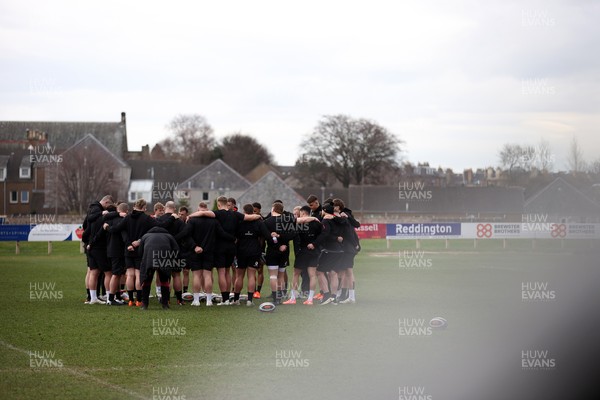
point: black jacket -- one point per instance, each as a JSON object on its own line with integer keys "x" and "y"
{"x": 283, "y": 226}
{"x": 159, "y": 250}
{"x": 307, "y": 234}
{"x": 132, "y": 228}
{"x": 116, "y": 246}
{"x": 249, "y": 236}
{"x": 204, "y": 232}
{"x": 327, "y": 240}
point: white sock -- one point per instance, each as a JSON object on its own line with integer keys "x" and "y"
{"x": 351, "y": 294}
{"x": 93, "y": 295}
{"x": 311, "y": 294}
{"x": 209, "y": 297}
{"x": 293, "y": 297}
{"x": 339, "y": 293}
{"x": 197, "y": 297}
{"x": 158, "y": 289}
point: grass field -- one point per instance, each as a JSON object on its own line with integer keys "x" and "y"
{"x": 359, "y": 351}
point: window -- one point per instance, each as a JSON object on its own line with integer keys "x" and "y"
{"x": 204, "y": 196}
{"x": 132, "y": 197}
{"x": 24, "y": 172}
{"x": 14, "y": 197}
{"x": 2, "y": 174}
{"x": 24, "y": 196}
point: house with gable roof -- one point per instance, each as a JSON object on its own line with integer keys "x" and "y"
{"x": 268, "y": 189}
{"x": 214, "y": 180}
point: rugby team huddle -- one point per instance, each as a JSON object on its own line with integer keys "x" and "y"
{"x": 124, "y": 250}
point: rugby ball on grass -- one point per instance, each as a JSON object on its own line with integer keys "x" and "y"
{"x": 438, "y": 323}
{"x": 187, "y": 296}
{"x": 266, "y": 306}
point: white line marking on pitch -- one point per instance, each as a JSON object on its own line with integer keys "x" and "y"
{"x": 79, "y": 374}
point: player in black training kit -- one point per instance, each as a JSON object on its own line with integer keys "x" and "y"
{"x": 307, "y": 255}
{"x": 250, "y": 236}
{"x": 115, "y": 253}
{"x": 159, "y": 253}
{"x": 225, "y": 249}
{"x": 329, "y": 242}
{"x": 97, "y": 248}
{"x": 351, "y": 247}
{"x": 205, "y": 232}
{"x": 133, "y": 227}
{"x": 277, "y": 250}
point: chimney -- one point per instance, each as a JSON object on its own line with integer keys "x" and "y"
{"x": 123, "y": 118}
{"x": 146, "y": 152}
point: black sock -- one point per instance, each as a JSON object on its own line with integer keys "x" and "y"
{"x": 185, "y": 288}
{"x": 344, "y": 293}
{"x": 178, "y": 294}
{"x": 111, "y": 297}
{"x": 139, "y": 295}
{"x": 274, "y": 295}
{"x": 250, "y": 296}
{"x": 258, "y": 289}
{"x": 166, "y": 294}
{"x": 225, "y": 296}
{"x": 145, "y": 294}
{"x": 130, "y": 293}
{"x": 118, "y": 295}
{"x": 89, "y": 297}
{"x": 326, "y": 296}
{"x": 122, "y": 286}
{"x": 236, "y": 296}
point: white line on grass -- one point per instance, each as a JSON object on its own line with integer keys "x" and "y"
{"x": 79, "y": 374}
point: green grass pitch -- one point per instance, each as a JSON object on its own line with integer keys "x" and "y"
{"x": 297, "y": 352}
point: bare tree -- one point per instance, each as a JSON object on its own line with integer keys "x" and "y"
{"x": 575, "y": 159}
{"x": 191, "y": 139}
{"x": 511, "y": 157}
{"x": 242, "y": 152}
{"x": 84, "y": 176}
{"x": 594, "y": 167}
{"x": 312, "y": 172}
{"x": 544, "y": 156}
{"x": 354, "y": 150}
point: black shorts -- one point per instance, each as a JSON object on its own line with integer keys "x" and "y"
{"x": 346, "y": 260}
{"x": 277, "y": 258}
{"x": 202, "y": 261}
{"x": 117, "y": 265}
{"x": 328, "y": 261}
{"x": 224, "y": 259}
{"x": 131, "y": 262}
{"x": 305, "y": 260}
{"x": 248, "y": 261}
{"x": 99, "y": 259}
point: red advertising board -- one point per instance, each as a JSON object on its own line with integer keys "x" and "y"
{"x": 371, "y": 231}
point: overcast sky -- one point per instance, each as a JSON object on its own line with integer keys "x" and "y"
{"x": 455, "y": 80}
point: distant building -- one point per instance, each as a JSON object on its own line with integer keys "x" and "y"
{"x": 214, "y": 180}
